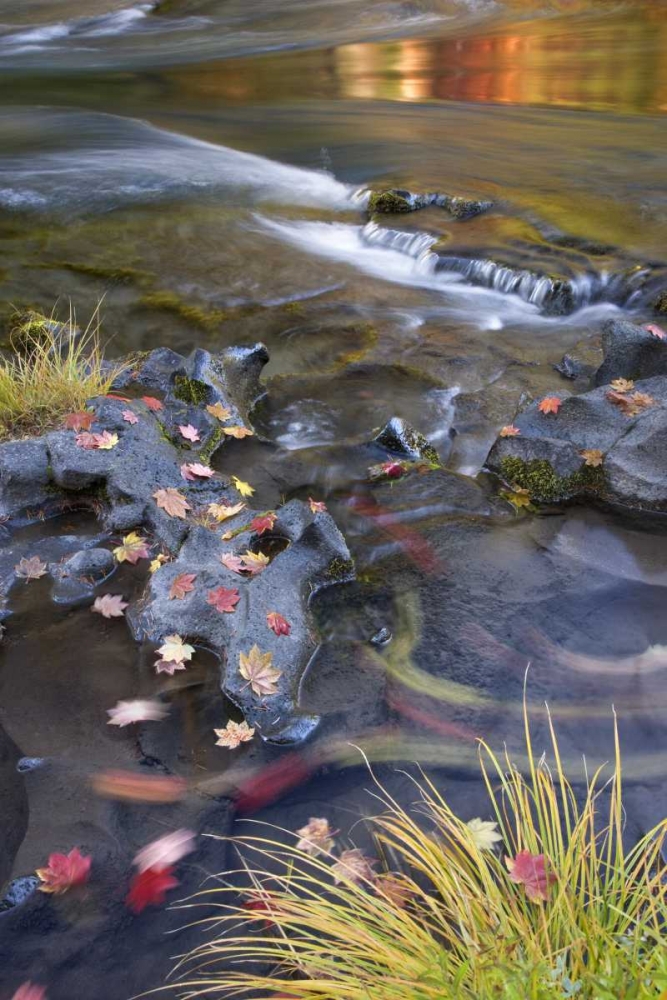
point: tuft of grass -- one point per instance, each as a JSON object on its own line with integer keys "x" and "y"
{"x": 54, "y": 371}
{"x": 467, "y": 931}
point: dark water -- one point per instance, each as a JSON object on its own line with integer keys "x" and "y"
{"x": 205, "y": 167}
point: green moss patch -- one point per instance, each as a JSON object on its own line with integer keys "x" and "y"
{"x": 190, "y": 390}
{"x": 544, "y": 485}
{"x": 388, "y": 202}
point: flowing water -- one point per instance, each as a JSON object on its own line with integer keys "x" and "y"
{"x": 205, "y": 167}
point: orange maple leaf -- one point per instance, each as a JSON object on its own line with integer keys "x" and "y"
{"x": 550, "y": 404}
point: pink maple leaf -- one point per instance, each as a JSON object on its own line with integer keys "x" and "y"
{"x": 189, "y": 432}
{"x": 130, "y": 417}
{"x": 190, "y": 471}
{"x": 530, "y": 871}
{"x": 64, "y": 871}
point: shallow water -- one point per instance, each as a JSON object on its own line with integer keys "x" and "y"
{"x": 222, "y": 153}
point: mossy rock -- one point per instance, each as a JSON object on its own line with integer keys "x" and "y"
{"x": 660, "y": 303}
{"x": 545, "y": 485}
{"x": 191, "y": 390}
{"x": 389, "y": 202}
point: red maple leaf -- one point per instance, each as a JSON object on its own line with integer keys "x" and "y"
{"x": 64, "y": 871}
{"x": 149, "y": 888}
{"x": 550, "y": 404}
{"x": 529, "y": 870}
{"x": 656, "y": 331}
{"x": 262, "y": 904}
{"x": 263, "y": 523}
{"x": 152, "y": 403}
{"x": 393, "y": 470}
{"x": 279, "y": 624}
{"x": 79, "y": 421}
{"x": 223, "y": 599}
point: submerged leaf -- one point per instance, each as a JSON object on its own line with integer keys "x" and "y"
{"x": 128, "y": 786}
{"x": 316, "y": 837}
{"x": 245, "y": 489}
{"x": 173, "y": 502}
{"x": 30, "y": 569}
{"x": 223, "y": 599}
{"x": 140, "y": 710}
{"x": 165, "y": 851}
{"x": 64, "y": 871}
{"x": 110, "y": 605}
{"x": 133, "y": 549}
{"x": 149, "y": 888}
{"x": 258, "y": 670}
{"x": 233, "y": 735}
{"x": 353, "y": 866}
{"x": 168, "y": 667}
{"x": 181, "y": 585}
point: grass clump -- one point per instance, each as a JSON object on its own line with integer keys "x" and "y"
{"x": 445, "y": 919}
{"x": 56, "y": 368}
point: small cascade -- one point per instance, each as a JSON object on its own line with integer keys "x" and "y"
{"x": 412, "y": 244}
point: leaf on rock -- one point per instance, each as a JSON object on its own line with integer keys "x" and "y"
{"x": 30, "y": 569}
{"x": 173, "y": 502}
{"x": 174, "y": 650}
{"x": 550, "y": 404}
{"x": 133, "y": 549}
{"x": 245, "y": 489}
{"x": 130, "y": 417}
{"x": 656, "y": 331}
{"x": 110, "y": 605}
{"x": 165, "y": 851}
{"x": 622, "y": 385}
{"x": 592, "y": 456}
{"x": 127, "y": 786}
{"x": 277, "y": 623}
{"x": 127, "y": 712}
{"x": 79, "y": 421}
{"x": 190, "y": 471}
{"x": 181, "y": 585}
{"x": 509, "y": 431}
{"x": 232, "y": 562}
{"x": 219, "y": 411}
{"x": 317, "y": 506}
{"x": 254, "y": 562}
{"x": 258, "y": 670}
{"x": 642, "y": 400}
{"x": 220, "y": 511}
{"x": 149, "y": 888}
{"x": 632, "y": 404}
{"x": 64, "y": 871}
{"x": 233, "y": 735}
{"x": 152, "y": 403}
{"x": 262, "y": 523}
{"x": 96, "y": 442}
{"x": 189, "y": 432}
{"x": 223, "y": 599}
{"x": 529, "y": 870}
{"x": 238, "y": 432}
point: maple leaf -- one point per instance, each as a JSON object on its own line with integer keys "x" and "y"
{"x": 29, "y": 991}
{"x": 530, "y": 871}
{"x": 518, "y": 498}
{"x": 245, "y": 489}
{"x": 64, "y": 871}
{"x": 221, "y": 511}
{"x": 189, "y": 432}
{"x": 149, "y": 888}
{"x": 316, "y": 837}
{"x": 130, "y": 787}
{"x": 254, "y": 562}
{"x": 353, "y": 866}
{"x": 30, "y": 569}
{"x": 190, "y": 471}
{"x": 622, "y": 385}
{"x": 592, "y": 456}
{"x": 79, "y": 421}
{"x": 152, "y": 403}
{"x": 393, "y": 470}
{"x": 130, "y": 417}
{"x": 159, "y": 560}
{"x": 219, "y": 411}
{"x": 105, "y": 441}
{"x": 181, "y": 585}
{"x": 484, "y": 833}
{"x": 222, "y": 599}
{"x": 550, "y": 404}
{"x": 165, "y": 851}
{"x": 232, "y": 562}
{"x": 263, "y": 522}
{"x": 509, "y": 431}
{"x": 264, "y": 903}
{"x": 317, "y": 506}
{"x": 395, "y": 888}
{"x": 656, "y": 331}
{"x": 127, "y": 712}
{"x": 279, "y": 624}
{"x": 86, "y": 440}
{"x": 238, "y": 432}
{"x": 110, "y": 605}
{"x": 133, "y": 549}
{"x": 174, "y": 650}
{"x": 171, "y": 501}
{"x": 642, "y": 400}
{"x": 631, "y": 405}
{"x": 258, "y": 670}
{"x": 233, "y": 735}
{"x": 167, "y": 667}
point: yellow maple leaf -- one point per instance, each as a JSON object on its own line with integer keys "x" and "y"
{"x": 245, "y": 489}
{"x": 174, "y": 650}
{"x": 233, "y": 735}
{"x": 592, "y": 456}
{"x": 517, "y": 497}
{"x": 133, "y": 549}
{"x": 254, "y": 562}
{"x": 622, "y": 384}
{"x": 258, "y": 670}
{"x": 220, "y": 511}
{"x": 219, "y": 411}
{"x": 238, "y": 432}
{"x": 159, "y": 560}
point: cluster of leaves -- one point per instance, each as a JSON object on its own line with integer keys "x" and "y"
{"x": 545, "y": 900}
{"x": 629, "y": 403}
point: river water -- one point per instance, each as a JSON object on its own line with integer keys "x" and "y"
{"x": 204, "y": 166}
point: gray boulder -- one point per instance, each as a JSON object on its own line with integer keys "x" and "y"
{"x": 24, "y": 475}
{"x": 630, "y": 352}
